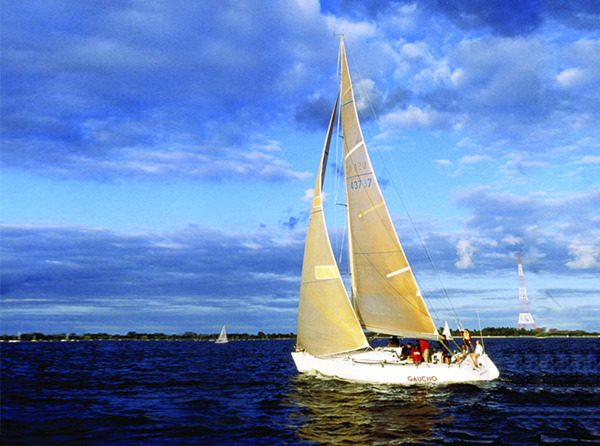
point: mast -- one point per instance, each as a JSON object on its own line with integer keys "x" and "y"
{"x": 353, "y": 292}
{"x": 525, "y": 317}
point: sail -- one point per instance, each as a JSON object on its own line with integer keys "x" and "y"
{"x": 447, "y": 331}
{"x": 327, "y": 323}
{"x": 385, "y": 294}
{"x": 222, "y": 339}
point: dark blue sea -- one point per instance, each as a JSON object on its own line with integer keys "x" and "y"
{"x": 248, "y": 392}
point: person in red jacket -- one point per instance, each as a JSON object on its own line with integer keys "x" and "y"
{"x": 415, "y": 355}
{"x": 424, "y": 346}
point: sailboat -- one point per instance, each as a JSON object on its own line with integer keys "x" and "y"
{"x": 222, "y": 339}
{"x": 446, "y": 331}
{"x": 385, "y": 298}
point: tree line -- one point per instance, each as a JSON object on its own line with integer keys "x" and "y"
{"x": 134, "y": 336}
{"x": 192, "y": 336}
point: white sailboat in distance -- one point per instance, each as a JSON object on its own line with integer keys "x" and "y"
{"x": 446, "y": 331}
{"x": 385, "y": 295}
{"x": 222, "y": 339}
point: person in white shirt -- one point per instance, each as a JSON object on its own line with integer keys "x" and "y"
{"x": 478, "y": 352}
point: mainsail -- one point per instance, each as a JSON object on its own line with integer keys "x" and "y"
{"x": 326, "y": 321}
{"x": 385, "y": 294}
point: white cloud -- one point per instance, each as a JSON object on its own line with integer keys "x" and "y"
{"x": 465, "y": 252}
{"x": 367, "y": 95}
{"x": 519, "y": 163}
{"x": 415, "y": 117}
{"x": 589, "y": 159}
{"x": 584, "y": 255}
{"x": 512, "y": 240}
{"x": 571, "y": 77}
{"x": 417, "y": 50}
{"x": 443, "y": 163}
{"x": 474, "y": 159}
{"x": 458, "y": 77}
{"x": 309, "y": 6}
{"x": 308, "y": 195}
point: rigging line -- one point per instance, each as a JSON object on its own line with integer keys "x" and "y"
{"x": 337, "y": 180}
{"x": 341, "y": 247}
{"x": 413, "y": 224}
{"x": 480, "y": 331}
{"x": 426, "y": 294}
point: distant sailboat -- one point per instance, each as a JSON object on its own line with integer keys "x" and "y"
{"x": 446, "y": 332}
{"x": 222, "y": 339}
{"x": 385, "y": 295}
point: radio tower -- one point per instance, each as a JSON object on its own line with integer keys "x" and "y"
{"x": 525, "y": 317}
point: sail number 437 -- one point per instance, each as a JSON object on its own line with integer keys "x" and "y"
{"x": 360, "y": 184}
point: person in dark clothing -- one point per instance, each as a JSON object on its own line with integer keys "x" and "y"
{"x": 406, "y": 351}
{"x": 446, "y": 352}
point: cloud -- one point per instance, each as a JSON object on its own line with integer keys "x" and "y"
{"x": 443, "y": 163}
{"x": 474, "y": 159}
{"x": 308, "y": 195}
{"x": 466, "y": 162}
{"x": 584, "y": 254}
{"x": 589, "y": 160}
{"x": 571, "y": 77}
{"x": 577, "y": 15}
{"x": 121, "y": 80}
{"x": 512, "y": 240}
{"x": 169, "y": 282}
{"x": 127, "y": 82}
{"x": 144, "y": 92}
{"x": 545, "y": 226}
{"x": 415, "y": 117}
{"x": 506, "y": 18}
{"x": 503, "y": 18}
{"x": 465, "y": 252}
{"x": 313, "y": 113}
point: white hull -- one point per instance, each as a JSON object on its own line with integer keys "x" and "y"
{"x": 384, "y": 367}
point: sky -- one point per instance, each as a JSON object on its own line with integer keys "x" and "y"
{"x": 157, "y": 157}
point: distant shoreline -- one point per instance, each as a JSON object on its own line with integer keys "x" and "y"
{"x": 180, "y": 339}
{"x": 488, "y": 333}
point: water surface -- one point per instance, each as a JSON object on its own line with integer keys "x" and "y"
{"x": 249, "y": 392}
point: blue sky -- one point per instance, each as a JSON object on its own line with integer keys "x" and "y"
{"x": 157, "y": 156}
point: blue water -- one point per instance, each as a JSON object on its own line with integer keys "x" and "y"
{"x": 248, "y": 392}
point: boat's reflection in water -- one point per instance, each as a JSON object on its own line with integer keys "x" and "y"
{"x": 338, "y": 412}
